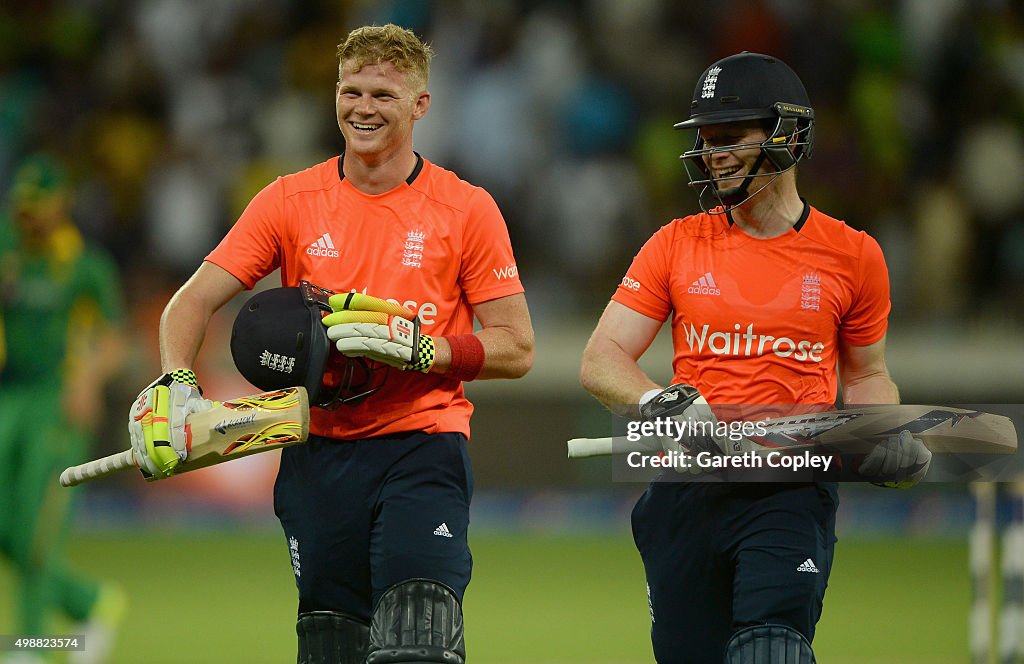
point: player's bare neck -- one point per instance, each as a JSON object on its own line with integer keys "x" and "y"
{"x": 376, "y": 173}
{"x": 768, "y": 215}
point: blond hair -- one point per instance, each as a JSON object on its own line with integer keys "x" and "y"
{"x": 376, "y": 44}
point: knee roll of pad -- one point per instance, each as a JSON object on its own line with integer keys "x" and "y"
{"x": 417, "y": 622}
{"x": 768, "y": 644}
{"x": 328, "y": 637}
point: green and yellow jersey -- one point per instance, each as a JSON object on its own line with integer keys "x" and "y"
{"x": 50, "y": 298}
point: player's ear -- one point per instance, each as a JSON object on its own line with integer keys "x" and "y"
{"x": 422, "y": 105}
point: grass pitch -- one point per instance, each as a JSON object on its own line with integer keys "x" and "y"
{"x": 546, "y": 599}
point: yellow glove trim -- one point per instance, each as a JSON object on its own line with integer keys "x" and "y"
{"x": 360, "y": 302}
{"x": 424, "y": 353}
{"x": 339, "y": 317}
{"x": 186, "y": 376}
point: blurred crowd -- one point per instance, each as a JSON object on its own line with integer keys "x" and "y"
{"x": 173, "y": 113}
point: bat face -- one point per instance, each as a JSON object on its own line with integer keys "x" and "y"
{"x": 803, "y": 431}
{"x": 247, "y": 425}
{"x": 222, "y": 427}
{"x": 943, "y": 430}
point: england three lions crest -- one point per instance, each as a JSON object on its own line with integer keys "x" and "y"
{"x": 810, "y": 292}
{"x": 412, "y": 250}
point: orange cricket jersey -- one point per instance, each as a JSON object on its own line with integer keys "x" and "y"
{"x": 758, "y": 321}
{"x": 435, "y": 243}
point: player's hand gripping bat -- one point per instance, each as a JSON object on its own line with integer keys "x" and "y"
{"x": 230, "y": 430}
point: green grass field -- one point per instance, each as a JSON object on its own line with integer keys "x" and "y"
{"x": 543, "y": 599}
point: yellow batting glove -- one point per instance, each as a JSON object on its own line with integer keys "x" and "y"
{"x": 157, "y": 422}
{"x": 367, "y": 326}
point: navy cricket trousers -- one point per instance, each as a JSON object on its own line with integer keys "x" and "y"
{"x": 360, "y": 516}
{"x": 722, "y": 556}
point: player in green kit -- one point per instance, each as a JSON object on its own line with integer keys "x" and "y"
{"x": 60, "y": 307}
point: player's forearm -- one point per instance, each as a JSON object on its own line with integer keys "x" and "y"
{"x": 877, "y": 388}
{"x": 185, "y": 318}
{"x": 613, "y": 377}
{"x": 508, "y": 353}
{"x": 865, "y": 376}
{"x": 182, "y": 330}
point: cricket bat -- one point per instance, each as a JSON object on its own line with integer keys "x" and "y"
{"x": 944, "y": 430}
{"x": 231, "y": 430}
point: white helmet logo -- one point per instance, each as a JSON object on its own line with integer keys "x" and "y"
{"x": 709, "y": 83}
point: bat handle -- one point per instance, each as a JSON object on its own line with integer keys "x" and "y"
{"x": 579, "y": 448}
{"x": 97, "y": 468}
{"x": 586, "y": 447}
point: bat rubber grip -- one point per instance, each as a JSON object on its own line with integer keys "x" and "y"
{"x": 579, "y": 448}
{"x": 585, "y": 447}
{"x": 97, "y": 468}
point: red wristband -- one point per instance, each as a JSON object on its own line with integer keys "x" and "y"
{"x": 467, "y": 357}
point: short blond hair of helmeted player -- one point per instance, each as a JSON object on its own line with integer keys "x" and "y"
{"x": 374, "y": 44}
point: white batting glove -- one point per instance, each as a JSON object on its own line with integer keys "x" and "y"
{"x": 897, "y": 462}
{"x": 157, "y": 422}
{"x": 688, "y": 421}
{"x": 367, "y": 326}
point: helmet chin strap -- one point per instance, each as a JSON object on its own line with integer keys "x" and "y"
{"x": 733, "y": 196}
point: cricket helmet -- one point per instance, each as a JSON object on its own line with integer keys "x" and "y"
{"x": 278, "y": 340}
{"x": 740, "y": 88}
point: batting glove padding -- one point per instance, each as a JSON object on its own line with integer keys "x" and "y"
{"x": 157, "y": 422}
{"x": 684, "y": 405}
{"x": 897, "y": 462}
{"x": 367, "y": 326}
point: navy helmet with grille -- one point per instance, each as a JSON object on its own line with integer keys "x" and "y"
{"x": 278, "y": 340}
{"x": 741, "y": 88}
